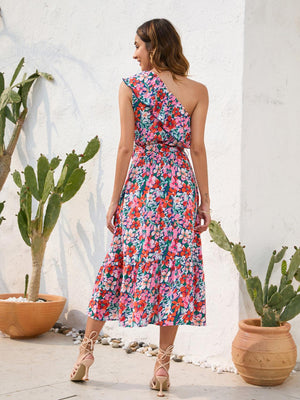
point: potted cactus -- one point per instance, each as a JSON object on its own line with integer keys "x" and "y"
{"x": 13, "y": 107}
{"x": 30, "y": 318}
{"x": 263, "y": 350}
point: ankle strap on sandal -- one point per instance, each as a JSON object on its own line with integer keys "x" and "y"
{"x": 89, "y": 342}
{"x": 167, "y": 352}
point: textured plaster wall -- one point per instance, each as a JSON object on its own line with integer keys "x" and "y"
{"x": 88, "y": 47}
{"x": 270, "y": 192}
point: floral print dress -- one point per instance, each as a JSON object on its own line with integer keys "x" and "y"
{"x": 153, "y": 272}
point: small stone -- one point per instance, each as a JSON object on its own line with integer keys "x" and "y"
{"x": 128, "y": 350}
{"x": 219, "y": 371}
{"x": 66, "y": 331}
{"x": 57, "y": 325}
{"x": 56, "y": 330}
{"x": 141, "y": 350}
{"x": 187, "y": 359}
{"x": 77, "y": 341}
{"x": 141, "y": 344}
{"x": 115, "y": 345}
{"x": 134, "y": 344}
{"x": 153, "y": 346}
{"x": 105, "y": 335}
{"x": 177, "y": 358}
{"x": 116, "y": 341}
{"x": 154, "y": 352}
{"x": 197, "y": 363}
{"x": 69, "y": 333}
{"x": 148, "y": 354}
{"x": 145, "y": 345}
{"x": 81, "y": 331}
{"x": 105, "y": 341}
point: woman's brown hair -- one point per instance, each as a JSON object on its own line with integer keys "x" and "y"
{"x": 164, "y": 46}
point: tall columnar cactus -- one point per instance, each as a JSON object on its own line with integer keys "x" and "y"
{"x": 274, "y": 304}
{"x": 13, "y": 107}
{"x": 50, "y": 197}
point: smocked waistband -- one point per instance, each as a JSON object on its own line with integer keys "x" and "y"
{"x": 156, "y": 146}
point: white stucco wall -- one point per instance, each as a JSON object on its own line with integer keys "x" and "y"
{"x": 88, "y": 47}
{"x": 270, "y": 199}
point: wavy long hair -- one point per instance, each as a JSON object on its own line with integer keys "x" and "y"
{"x": 164, "y": 45}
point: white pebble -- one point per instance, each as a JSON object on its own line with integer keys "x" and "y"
{"x": 69, "y": 333}
{"x": 20, "y": 300}
{"x": 196, "y": 363}
{"x": 219, "y": 370}
{"x": 140, "y": 350}
{"x": 77, "y": 341}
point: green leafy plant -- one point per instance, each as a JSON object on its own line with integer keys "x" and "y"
{"x": 50, "y": 197}
{"x": 13, "y": 107}
{"x": 275, "y": 304}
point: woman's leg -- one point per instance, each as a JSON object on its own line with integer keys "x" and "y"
{"x": 92, "y": 330}
{"x": 167, "y": 336}
{"x": 93, "y": 325}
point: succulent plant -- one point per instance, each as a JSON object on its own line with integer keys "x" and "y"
{"x": 40, "y": 186}
{"x": 274, "y": 304}
{"x": 13, "y": 107}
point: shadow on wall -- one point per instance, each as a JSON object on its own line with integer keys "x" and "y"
{"x": 89, "y": 253}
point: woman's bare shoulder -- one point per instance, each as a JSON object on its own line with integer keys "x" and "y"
{"x": 197, "y": 87}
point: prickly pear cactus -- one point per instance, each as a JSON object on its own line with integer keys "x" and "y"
{"x": 40, "y": 187}
{"x": 13, "y": 108}
{"x": 274, "y": 304}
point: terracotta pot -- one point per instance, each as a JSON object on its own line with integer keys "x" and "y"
{"x": 263, "y": 356}
{"x": 22, "y": 320}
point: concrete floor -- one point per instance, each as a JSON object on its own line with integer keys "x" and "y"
{"x": 38, "y": 369}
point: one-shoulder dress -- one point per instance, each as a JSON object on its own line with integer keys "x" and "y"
{"x": 153, "y": 270}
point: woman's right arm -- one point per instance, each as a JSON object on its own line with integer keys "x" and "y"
{"x": 125, "y": 149}
{"x": 198, "y": 153}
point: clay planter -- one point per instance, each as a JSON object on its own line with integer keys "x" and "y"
{"x": 263, "y": 356}
{"x": 23, "y": 320}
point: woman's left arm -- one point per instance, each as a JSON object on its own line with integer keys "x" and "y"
{"x": 125, "y": 150}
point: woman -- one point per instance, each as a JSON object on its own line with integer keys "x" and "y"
{"x": 153, "y": 271}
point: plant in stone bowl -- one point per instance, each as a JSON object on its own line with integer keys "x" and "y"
{"x": 275, "y": 304}
{"x": 39, "y": 186}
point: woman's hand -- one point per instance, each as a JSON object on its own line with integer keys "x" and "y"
{"x": 203, "y": 213}
{"x": 109, "y": 216}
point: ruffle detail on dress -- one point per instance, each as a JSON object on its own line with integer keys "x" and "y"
{"x": 150, "y": 90}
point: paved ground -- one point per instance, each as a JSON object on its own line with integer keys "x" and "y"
{"x": 38, "y": 369}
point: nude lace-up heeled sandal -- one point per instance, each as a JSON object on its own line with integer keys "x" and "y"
{"x": 81, "y": 368}
{"x": 162, "y": 382}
